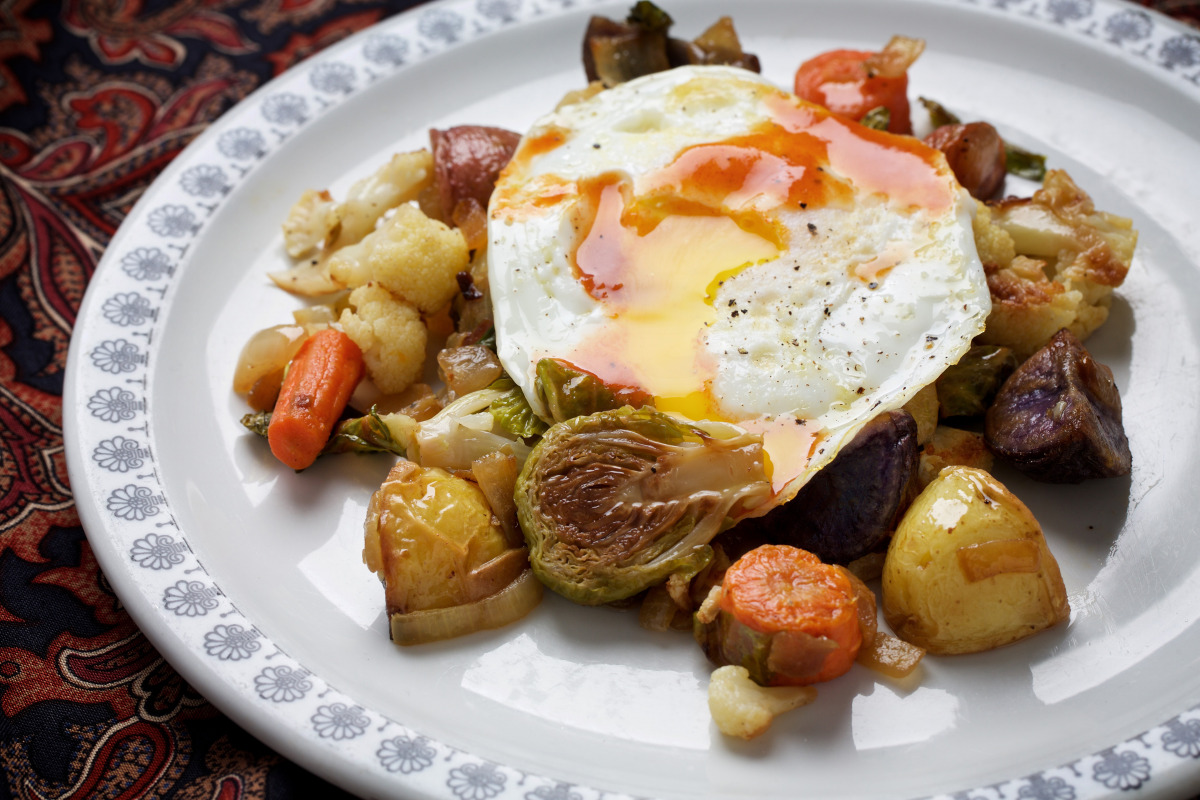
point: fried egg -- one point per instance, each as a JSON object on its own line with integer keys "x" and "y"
{"x": 736, "y": 253}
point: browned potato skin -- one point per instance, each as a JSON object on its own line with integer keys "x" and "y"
{"x": 975, "y": 152}
{"x": 950, "y": 446}
{"x": 969, "y": 569}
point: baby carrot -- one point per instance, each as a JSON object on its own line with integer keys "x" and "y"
{"x": 786, "y": 616}
{"x": 319, "y": 382}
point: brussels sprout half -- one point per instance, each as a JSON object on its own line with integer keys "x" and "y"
{"x": 614, "y": 502}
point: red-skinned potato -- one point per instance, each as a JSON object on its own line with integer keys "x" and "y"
{"x": 975, "y": 152}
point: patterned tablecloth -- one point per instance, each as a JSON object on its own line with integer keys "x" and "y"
{"x": 96, "y": 97}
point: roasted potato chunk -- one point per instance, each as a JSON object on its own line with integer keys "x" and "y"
{"x": 951, "y": 446}
{"x": 969, "y": 569}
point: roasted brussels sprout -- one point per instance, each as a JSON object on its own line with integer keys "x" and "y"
{"x": 473, "y": 426}
{"x": 569, "y": 392}
{"x": 1058, "y": 417}
{"x": 851, "y": 506}
{"x": 968, "y": 388}
{"x": 615, "y": 502}
{"x": 877, "y": 118}
{"x": 969, "y": 569}
{"x": 512, "y": 411}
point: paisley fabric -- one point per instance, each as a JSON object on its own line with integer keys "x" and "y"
{"x": 96, "y": 97}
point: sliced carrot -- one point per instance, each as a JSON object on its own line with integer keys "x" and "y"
{"x": 809, "y": 609}
{"x": 319, "y": 382}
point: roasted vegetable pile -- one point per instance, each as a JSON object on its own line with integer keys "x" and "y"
{"x": 587, "y": 489}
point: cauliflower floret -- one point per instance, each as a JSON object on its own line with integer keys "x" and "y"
{"x": 414, "y": 257}
{"x": 396, "y": 182}
{"x": 994, "y": 244}
{"x": 316, "y": 218}
{"x": 391, "y": 335}
{"x": 742, "y": 708}
{"x": 1051, "y": 262}
{"x": 309, "y": 222}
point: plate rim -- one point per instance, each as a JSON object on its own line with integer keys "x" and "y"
{"x": 413, "y": 754}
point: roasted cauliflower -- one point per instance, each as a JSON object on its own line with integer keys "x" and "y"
{"x": 414, "y": 257}
{"x": 317, "y": 219}
{"x": 1052, "y": 261}
{"x": 390, "y": 334}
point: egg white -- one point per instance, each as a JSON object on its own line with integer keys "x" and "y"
{"x": 871, "y": 297}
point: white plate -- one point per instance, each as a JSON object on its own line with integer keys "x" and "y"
{"x": 248, "y": 578}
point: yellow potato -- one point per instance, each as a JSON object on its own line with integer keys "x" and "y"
{"x": 968, "y": 568}
{"x": 924, "y": 409}
{"x": 431, "y": 538}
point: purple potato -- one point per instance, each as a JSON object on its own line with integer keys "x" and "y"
{"x": 851, "y": 506}
{"x": 1058, "y": 417}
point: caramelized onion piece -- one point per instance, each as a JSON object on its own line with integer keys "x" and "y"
{"x": 496, "y": 474}
{"x": 265, "y": 391}
{"x": 267, "y": 351}
{"x": 893, "y": 61}
{"x": 890, "y": 655}
{"x": 494, "y": 611}
{"x": 468, "y": 368}
{"x": 658, "y": 609}
{"x": 985, "y": 560}
{"x": 868, "y": 613}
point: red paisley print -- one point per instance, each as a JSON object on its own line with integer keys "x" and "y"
{"x": 126, "y": 31}
{"x": 96, "y": 98}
